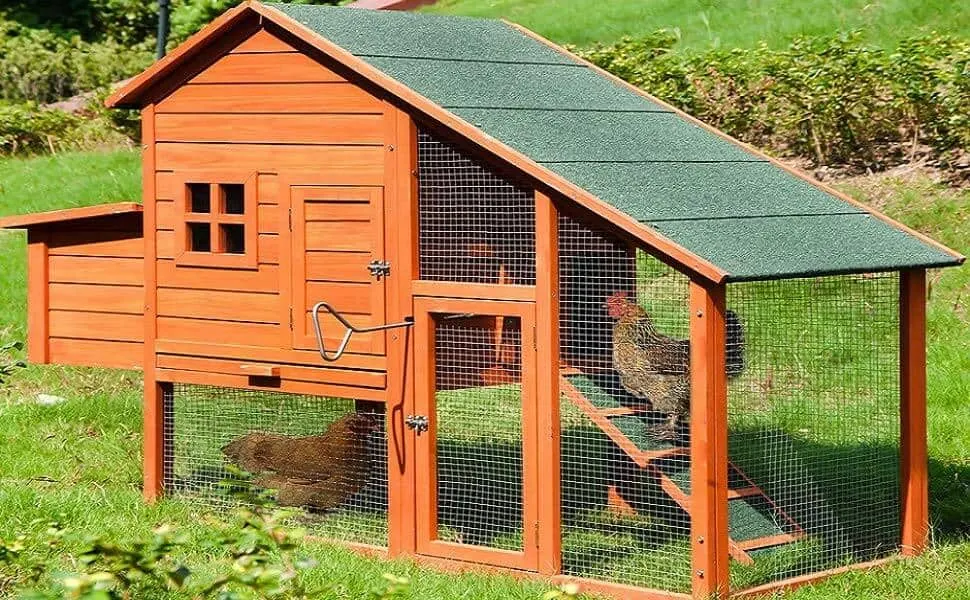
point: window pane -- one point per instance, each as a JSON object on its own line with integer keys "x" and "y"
{"x": 233, "y": 198}
{"x": 199, "y": 195}
{"x": 199, "y": 238}
{"x": 233, "y": 239}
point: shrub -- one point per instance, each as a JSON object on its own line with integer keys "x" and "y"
{"x": 37, "y": 65}
{"x": 831, "y": 100}
{"x": 29, "y": 129}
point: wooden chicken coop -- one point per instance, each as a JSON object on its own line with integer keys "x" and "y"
{"x": 464, "y": 297}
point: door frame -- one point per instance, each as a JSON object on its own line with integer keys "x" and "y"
{"x": 426, "y": 447}
{"x": 299, "y": 335}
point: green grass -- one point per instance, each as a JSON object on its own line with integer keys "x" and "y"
{"x": 79, "y": 462}
{"x": 721, "y": 23}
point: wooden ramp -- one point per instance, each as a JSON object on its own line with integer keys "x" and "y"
{"x": 755, "y": 522}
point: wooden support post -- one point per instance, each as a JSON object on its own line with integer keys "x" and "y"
{"x": 708, "y": 442}
{"x": 401, "y": 241}
{"x": 547, "y": 358}
{"x": 38, "y": 341}
{"x": 153, "y": 410}
{"x": 912, "y": 379}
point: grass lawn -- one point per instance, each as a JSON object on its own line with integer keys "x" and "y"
{"x": 721, "y": 23}
{"x": 79, "y": 461}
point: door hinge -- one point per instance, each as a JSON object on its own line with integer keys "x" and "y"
{"x": 291, "y": 318}
{"x": 289, "y": 217}
{"x": 379, "y": 268}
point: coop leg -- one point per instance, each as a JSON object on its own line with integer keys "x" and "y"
{"x": 708, "y": 442}
{"x": 154, "y": 441}
{"x": 912, "y": 377}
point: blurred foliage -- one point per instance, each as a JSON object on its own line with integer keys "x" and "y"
{"x": 832, "y": 100}
{"x": 258, "y": 556}
{"x": 40, "y": 66}
{"x": 26, "y": 128}
{"x": 9, "y": 364}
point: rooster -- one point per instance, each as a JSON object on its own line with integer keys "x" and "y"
{"x": 319, "y": 471}
{"x": 654, "y": 367}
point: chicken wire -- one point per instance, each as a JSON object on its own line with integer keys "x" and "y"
{"x": 478, "y": 437}
{"x": 814, "y": 422}
{"x": 625, "y": 462}
{"x": 474, "y": 225}
{"x": 228, "y": 447}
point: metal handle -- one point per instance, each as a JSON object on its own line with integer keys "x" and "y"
{"x": 351, "y": 330}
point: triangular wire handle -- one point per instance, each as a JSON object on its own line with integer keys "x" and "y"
{"x": 351, "y": 330}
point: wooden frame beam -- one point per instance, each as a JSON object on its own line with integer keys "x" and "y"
{"x": 154, "y": 410}
{"x": 912, "y": 379}
{"x": 400, "y": 203}
{"x": 708, "y": 447}
{"x": 547, "y": 384}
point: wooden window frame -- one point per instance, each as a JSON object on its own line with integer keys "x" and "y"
{"x": 185, "y": 256}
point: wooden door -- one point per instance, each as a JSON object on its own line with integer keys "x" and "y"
{"x": 476, "y": 461}
{"x": 337, "y": 231}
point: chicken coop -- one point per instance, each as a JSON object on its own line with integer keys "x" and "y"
{"x": 452, "y": 293}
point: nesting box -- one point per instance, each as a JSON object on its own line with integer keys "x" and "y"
{"x": 464, "y": 297}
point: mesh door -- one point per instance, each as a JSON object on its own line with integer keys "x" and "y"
{"x": 326, "y": 456}
{"x": 478, "y": 445}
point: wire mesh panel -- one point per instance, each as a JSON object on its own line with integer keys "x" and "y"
{"x": 479, "y": 432}
{"x": 474, "y": 226}
{"x": 325, "y": 456}
{"x": 624, "y": 412}
{"x": 814, "y": 425}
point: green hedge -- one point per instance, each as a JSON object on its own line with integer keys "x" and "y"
{"x": 831, "y": 100}
{"x": 39, "y": 66}
{"x": 26, "y": 128}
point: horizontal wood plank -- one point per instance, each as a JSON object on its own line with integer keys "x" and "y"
{"x": 266, "y": 67}
{"x": 270, "y": 98}
{"x": 264, "y": 279}
{"x": 348, "y": 377}
{"x": 248, "y": 307}
{"x": 339, "y": 235}
{"x": 97, "y": 243}
{"x": 350, "y": 360}
{"x": 96, "y": 270}
{"x": 338, "y": 266}
{"x": 268, "y": 189}
{"x": 473, "y": 291}
{"x": 333, "y": 129}
{"x": 96, "y": 326}
{"x": 96, "y": 353}
{"x": 356, "y": 165}
{"x": 226, "y": 332}
{"x": 350, "y": 298}
{"x": 333, "y": 332}
{"x": 333, "y": 210}
{"x": 257, "y": 383}
{"x": 97, "y": 298}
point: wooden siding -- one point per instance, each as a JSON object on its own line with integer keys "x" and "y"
{"x": 94, "y": 292}
{"x": 266, "y": 108}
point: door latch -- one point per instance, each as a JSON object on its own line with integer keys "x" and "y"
{"x": 379, "y": 268}
{"x": 418, "y": 423}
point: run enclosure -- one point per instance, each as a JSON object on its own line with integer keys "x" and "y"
{"x": 622, "y": 351}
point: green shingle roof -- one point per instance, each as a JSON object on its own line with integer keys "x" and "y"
{"x": 710, "y": 196}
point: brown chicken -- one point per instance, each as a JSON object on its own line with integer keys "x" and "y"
{"x": 320, "y": 471}
{"x": 654, "y": 367}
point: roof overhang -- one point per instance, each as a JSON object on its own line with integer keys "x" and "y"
{"x": 136, "y": 92}
{"x": 69, "y": 214}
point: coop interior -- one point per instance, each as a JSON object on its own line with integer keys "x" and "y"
{"x": 813, "y": 394}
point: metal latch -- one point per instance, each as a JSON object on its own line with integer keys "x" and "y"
{"x": 379, "y": 268}
{"x": 418, "y": 423}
